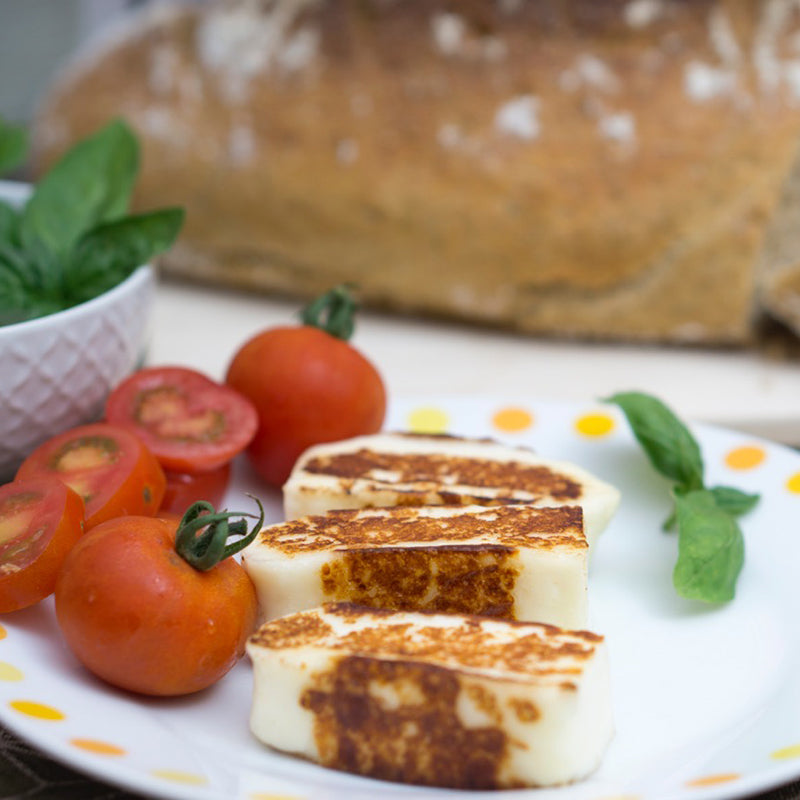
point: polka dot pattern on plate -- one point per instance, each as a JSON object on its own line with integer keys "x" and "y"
{"x": 30, "y": 708}
{"x": 99, "y": 747}
{"x": 713, "y": 780}
{"x": 8, "y": 672}
{"x": 428, "y": 420}
{"x": 177, "y": 776}
{"x": 512, "y": 419}
{"x": 745, "y": 457}
{"x": 785, "y": 753}
{"x": 595, "y": 424}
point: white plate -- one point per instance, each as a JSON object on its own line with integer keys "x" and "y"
{"x": 707, "y": 699}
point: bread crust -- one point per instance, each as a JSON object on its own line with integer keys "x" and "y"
{"x": 563, "y": 167}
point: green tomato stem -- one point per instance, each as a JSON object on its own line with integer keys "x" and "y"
{"x": 202, "y": 536}
{"x": 333, "y": 312}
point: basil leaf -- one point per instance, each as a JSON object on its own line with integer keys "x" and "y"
{"x": 710, "y": 549}
{"x": 109, "y": 253}
{"x": 9, "y": 220}
{"x": 667, "y": 442}
{"x": 734, "y": 501}
{"x": 91, "y": 184}
{"x": 13, "y": 146}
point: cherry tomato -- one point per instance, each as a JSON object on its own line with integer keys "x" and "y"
{"x": 185, "y": 488}
{"x": 40, "y": 520}
{"x": 189, "y": 422}
{"x": 308, "y": 386}
{"x": 138, "y": 615}
{"x": 106, "y": 465}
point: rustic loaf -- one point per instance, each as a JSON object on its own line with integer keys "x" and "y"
{"x": 612, "y": 169}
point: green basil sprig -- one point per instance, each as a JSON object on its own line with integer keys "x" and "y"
{"x": 710, "y": 541}
{"x": 13, "y": 146}
{"x": 74, "y": 239}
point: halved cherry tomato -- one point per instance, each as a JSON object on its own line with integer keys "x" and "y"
{"x": 138, "y": 615}
{"x": 106, "y": 465}
{"x": 40, "y": 520}
{"x": 185, "y": 488}
{"x": 189, "y": 422}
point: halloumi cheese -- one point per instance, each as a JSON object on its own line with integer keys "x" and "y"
{"x": 391, "y": 469}
{"x": 517, "y": 561}
{"x": 436, "y": 699}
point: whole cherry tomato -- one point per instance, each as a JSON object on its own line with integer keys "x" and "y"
{"x": 308, "y": 385}
{"x": 189, "y": 422}
{"x": 40, "y": 520}
{"x": 106, "y": 465}
{"x": 185, "y": 488}
{"x": 139, "y": 615}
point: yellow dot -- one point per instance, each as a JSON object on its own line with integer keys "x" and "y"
{"x": 713, "y": 780}
{"x": 512, "y": 420}
{"x": 595, "y": 424}
{"x": 2, "y": 632}
{"x": 745, "y": 457}
{"x": 793, "y": 751}
{"x": 428, "y": 420}
{"x": 98, "y": 747}
{"x": 8, "y": 672}
{"x": 37, "y": 710}
{"x": 793, "y": 483}
{"x": 271, "y": 796}
{"x": 179, "y": 777}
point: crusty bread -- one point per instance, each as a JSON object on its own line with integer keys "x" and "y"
{"x": 569, "y": 167}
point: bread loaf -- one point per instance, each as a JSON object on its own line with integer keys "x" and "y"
{"x": 611, "y": 169}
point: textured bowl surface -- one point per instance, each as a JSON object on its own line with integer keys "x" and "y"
{"x": 56, "y": 371}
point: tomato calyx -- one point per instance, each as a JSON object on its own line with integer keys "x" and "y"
{"x": 203, "y": 532}
{"x": 333, "y": 312}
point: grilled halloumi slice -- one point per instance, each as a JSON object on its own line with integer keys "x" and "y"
{"x": 390, "y": 469}
{"x": 436, "y": 699}
{"x": 516, "y": 561}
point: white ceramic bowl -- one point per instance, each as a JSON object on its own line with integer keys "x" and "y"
{"x": 56, "y": 371}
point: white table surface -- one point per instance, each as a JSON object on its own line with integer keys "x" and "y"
{"x": 201, "y": 327}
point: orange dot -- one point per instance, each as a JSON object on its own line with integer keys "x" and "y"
{"x": 745, "y": 457}
{"x": 512, "y": 420}
{"x": 594, "y": 424}
{"x": 2, "y": 632}
{"x": 793, "y": 483}
{"x": 38, "y": 710}
{"x": 96, "y": 746}
{"x": 714, "y": 780}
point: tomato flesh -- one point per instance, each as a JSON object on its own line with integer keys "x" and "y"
{"x": 109, "y": 467}
{"x": 185, "y": 488}
{"x": 189, "y": 422}
{"x": 40, "y": 520}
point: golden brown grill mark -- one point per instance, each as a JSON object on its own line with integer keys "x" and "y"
{"x": 525, "y": 710}
{"x": 534, "y": 651}
{"x": 469, "y": 579}
{"x": 419, "y": 740}
{"x": 435, "y": 470}
{"x": 512, "y": 526}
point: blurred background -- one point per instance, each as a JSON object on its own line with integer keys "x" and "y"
{"x": 37, "y": 37}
